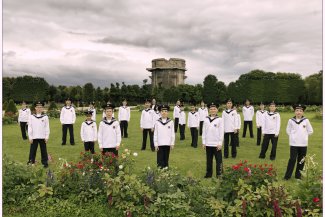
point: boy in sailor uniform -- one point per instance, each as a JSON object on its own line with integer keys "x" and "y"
{"x": 104, "y": 112}
{"x": 109, "y": 132}
{"x": 93, "y": 110}
{"x": 154, "y": 105}
{"x": 156, "y": 113}
{"x": 259, "y": 118}
{"x": 248, "y": 113}
{"x": 164, "y": 137}
{"x": 270, "y": 130}
{"x": 229, "y": 117}
{"x": 212, "y": 138}
{"x": 88, "y": 132}
{"x": 67, "y": 119}
{"x": 124, "y": 115}
{"x": 38, "y": 133}
{"x": 23, "y": 116}
{"x": 147, "y": 122}
{"x": 176, "y": 115}
{"x": 203, "y": 113}
{"x": 193, "y": 122}
{"x": 298, "y": 130}
{"x": 238, "y": 126}
{"x": 182, "y": 122}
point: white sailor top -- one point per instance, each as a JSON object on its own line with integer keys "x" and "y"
{"x": 182, "y": 118}
{"x": 259, "y": 117}
{"x": 109, "y": 133}
{"x": 38, "y": 127}
{"x": 248, "y": 113}
{"x": 203, "y": 113}
{"x": 213, "y": 131}
{"x": 124, "y": 113}
{"x": 88, "y": 131}
{"x": 147, "y": 120}
{"x": 68, "y": 115}
{"x": 193, "y": 119}
{"x": 271, "y": 123}
{"x": 298, "y": 131}
{"x": 229, "y": 117}
{"x": 23, "y": 115}
{"x": 156, "y": 115}
{"x": 164, "y": 132}
{"x": 176, "y": 112}
{"x": 238, "y": 121}
{"x": 93, "y": 115}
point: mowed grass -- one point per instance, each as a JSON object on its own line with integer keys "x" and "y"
{"x": 188, "y": 160}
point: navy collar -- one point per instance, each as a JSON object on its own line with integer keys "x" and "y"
{"x": 271, "y": 114}
{"x": 192, "y": 113}
{"x": 42, "y": 115}
{"x": 247, "y": 106}
{"x": 262, "y": 111}
{"x": 109, "y": 123}
{"x": 147, "y": 109}
{"x": 167, "y": 121}
{"x": 228, "y": 111}
{"x": 88, "y": 123}
{"x": 212, "y": 119}
{"x": 298, "y": 122}
{"x": 24, "y": 109}
{"x": 67, "y": 107}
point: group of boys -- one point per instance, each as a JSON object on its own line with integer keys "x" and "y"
{"x": 216, "y": 131}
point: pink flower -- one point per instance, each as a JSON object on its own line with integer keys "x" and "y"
{"x": 316, "y": 200}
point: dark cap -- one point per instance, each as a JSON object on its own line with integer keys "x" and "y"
{"x": 272, "y": 103}
{"x": 147, "y": 100}
{"x": 163, "y": 107}
{"x": 229, "y": 100}
{"x": 88, "y": 112}
{"x": 39, "y": 103}
{"x": 108, "y": 106}
{"x": 213, "y": 105}
{"x": 299, "y": 106}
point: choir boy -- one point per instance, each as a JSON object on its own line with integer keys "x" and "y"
{"x": 67, "y": 119}
{"x": 147, "y": 122}
{"x": 238, "y": 126}
{"x": 229, "y": 117}
{"x": 203, "y": 113}
{"x": 88, "y": 132}
{"x": 93, "y": 110}
{"x": 182, "y": 122}
{"x": 193, "y": 122}
{"x": 259, "y": 118}
{"x": 248, "y": 113}
{"x": 124, "y": 115}
{"x": 176, "y": 115}
{"x": 23, "y": 116}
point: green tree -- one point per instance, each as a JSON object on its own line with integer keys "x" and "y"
{"x": 53, "y": 106}
{"x": 88, "y": 93}
{"x": 213, "y": 90}
{"x": 314, "y": 88}
{"x": 11, "y": 108}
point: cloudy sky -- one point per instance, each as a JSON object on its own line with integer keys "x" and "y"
{"x": 102, "y": 41}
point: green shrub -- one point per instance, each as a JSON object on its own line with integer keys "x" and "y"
{"x": 11, "y": 109}
{"x": 4, "y": 105}
{"x": 53, "y": 106}
{"x": 9, "y": 120}
{"x": 53, "y": 114}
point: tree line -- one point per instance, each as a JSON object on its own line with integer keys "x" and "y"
{"x": 257, "y": 85}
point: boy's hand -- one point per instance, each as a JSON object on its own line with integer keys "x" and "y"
{"x": 117, "y": 147}
{"x": 219, "y": 147}
{"x": 276, "y": 135}
{"x": 152, "y": 129}
{"x": 172, "y": 147}
{"x": 31, "y": 141}
{"x": 46, "y": 140}
{"x": 203, "y": 146}
{"x": 157, "y": 149}
{"x": 101, "y": 149}
{"x": 141, "y": 129}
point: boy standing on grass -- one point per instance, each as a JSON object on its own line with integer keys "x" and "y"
{"x": 23, "y": 116}
{"x": 67, "y": 119}
{"x": 229, "y": 117}
{"x": 259, "y": 118}
{"x": 88, "y": 132}
{"x": 109, "y": 132}
{"x": 182, "y": 122}
{"x": 164, "y": 137}
{"x": 298, "y": 130}
{"x": 93, "y": 110}
{"x": 212, "y": 138}
{"x": 193, "y": 123}
{"x": 147, "y": 122}
{"x": 176, "y": 115}
{"x": 124, "y": 115}
{"x": 248, "y": 113}
{"x": 238, "y": 126}
{"x": 38, "y": 133}
{"x": 270, "y": 130}
{"x": 203, "y": 113}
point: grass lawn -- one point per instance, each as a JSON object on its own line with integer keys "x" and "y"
{"x": 188, "y": 160}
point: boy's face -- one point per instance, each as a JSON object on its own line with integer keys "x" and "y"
{"x": 109, "y": 113}
{"x": 23, "y": 105}
{"x": 262, "y": 107}
{"x": 229, "y": 105}
{"x": 213, "y": 110}
{"x": 154, "y": 101}
{"x": 247, "y": 103}
{"x": 39, "y": 109}
{"x": 192, "y": 108}
{"x": 68, "y": 102}
{"x": 272, "y": 108}
{"x": 147, "y": 104}
{"x": 202, "y": 104}
{"x": 124, "y": 103}
{"x": 88, "y": 116}
{"x": 164, "y": 113}
{"x": 299, "y": 112}
{"x": 91, "y": 106}
{"x": 178, "y": 102}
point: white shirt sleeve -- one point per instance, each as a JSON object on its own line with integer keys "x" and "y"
{"x": 100, "y": 135}
{"x": 141, "y": 119}
{"x": 309, "y": 128}
{"x": 288, "y": 130}
{"x": 155, "y": 135}
{"x": 221, "y": 132}
{"x": 203, "y": 133}
{"x": 278, "y": 125}
{"x": 173, "y": 134}
{"x": 129, "y": 114}
{"x": 30, "y": 128}
{"x": 61, "y": 116}
{"x": 73, "y": 116}
{"x": 95, "y": 131}
{"x": 19, "y": 115}
{"x": 47, "y": 128}
{"x": 82, "y": 132}
{"x": 118, "y": 134}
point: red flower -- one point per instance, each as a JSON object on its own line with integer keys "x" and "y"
{"x": 235, "y": 167}
{"x": 246, "y": 169}
{"x": 245, "y": 161}
{"x": 254, "y": 165}
{"x": 316, "y": 200}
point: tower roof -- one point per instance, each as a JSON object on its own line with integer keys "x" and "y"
{"x": 172, "y": 63}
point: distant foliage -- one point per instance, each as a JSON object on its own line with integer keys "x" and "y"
{"x": 11, "y": 109}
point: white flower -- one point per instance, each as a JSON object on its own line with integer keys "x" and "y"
{"x": 121, "y": 167}
{"x": 149, "y": 168}
{"x": 60, "y": 158}
{"x": 126, "y": 150}
{"x": 83, "y": 173}
{"x": 135, "y": 154}
{"x": 92, "y": 160}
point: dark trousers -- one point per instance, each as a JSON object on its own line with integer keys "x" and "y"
{"x": 210, "y": 153}
{"x": 236, "y": 139}
{"x": 201, "y": 127}
{"x": 124, "y": 128}
{"x": 24, "y": 129}
{"x": 265, "y": 145}
{"x": 296, "y": 155}
{"x": 182, "y": 131}
{"x": 163, "y": 156}
{"x": 232, "y": 144}
{"x": 65, "y": 128}
{"x": 145, "y": 133}
{"x": 33, "y": 150}
{"x": 89, "y": 146}
{"x": 110, "y": 150}
{"x": 250, "y": 125}
{"x": 176, "y": 124}
{"x": 195, "y": 136}
{"x": 259, "y": 136}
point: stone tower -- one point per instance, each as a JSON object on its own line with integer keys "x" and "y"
{"x": 167, "y": 73}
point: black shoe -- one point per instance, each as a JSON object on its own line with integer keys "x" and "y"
{"x": 207, "y": 177}
{"x": 272, "y": 158}
{"x": 72, "y": 144}
{"x": 142, "y": 149}
{"x": 225, "y": 157}
{"x": 63, "y": 144}
{"x": 153, "y": 150}
{"x": 233, "y": 156}
{"x": 46, "y": 166}
{"x": 286, "y": 178}
{"x": 261, "y": 157}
